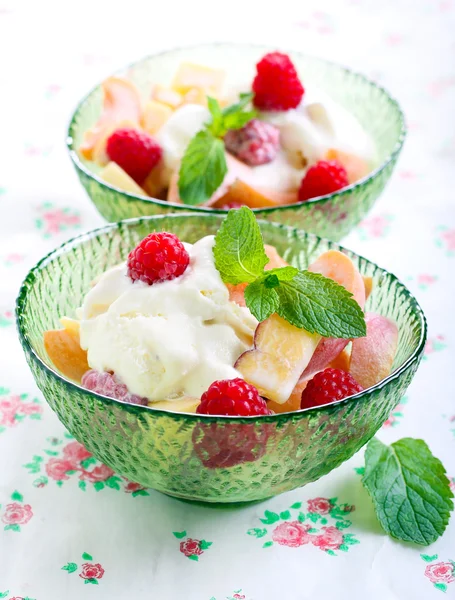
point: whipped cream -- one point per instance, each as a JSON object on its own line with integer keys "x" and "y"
{"x": 168, "y": 339}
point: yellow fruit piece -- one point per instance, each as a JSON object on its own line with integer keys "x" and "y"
{"x": 64, "y": 350}
{"x": 157, "y": 181}
{"x": 187, "y": 404}
{"x": 116, "y": 176}
{"x": 155, "y": 116}
{"x": 190, "y": 76}
{"x": 368, "y": 282}
{"x": 71, "y": 325}
{"x": 343, "y": 360}
{"x": 167, "y": 96}
{"x": 195, "y": 96}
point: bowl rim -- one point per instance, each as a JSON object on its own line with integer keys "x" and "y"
{"x": 195, "y": 417}
{"x": 318, "y": 200}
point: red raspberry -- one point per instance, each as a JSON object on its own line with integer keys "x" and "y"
{"x": 232, "y": 397}
{"x": 276, "y": 85}
{"x": 325, "y": 177}
{"x": 107, "y": 385}
{"x": 135, "y": 151}
{"x": 255, "y": 144}
{"x": 222, "y": 445}
{"x": 328, "y": 386}
{"x": 159, "y": 257}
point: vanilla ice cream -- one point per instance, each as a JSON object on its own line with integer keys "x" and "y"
{"x": 168, "y": 339}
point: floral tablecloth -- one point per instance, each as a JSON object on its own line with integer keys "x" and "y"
{"x": 73, "y": 529}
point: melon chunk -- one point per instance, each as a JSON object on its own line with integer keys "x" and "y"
{"x": 368, "y": 283}
{"x": 187, "y": 404}
{"x": 281, "y": 353}
{"x": 116, "y": 176}
{"x": 372, "y": 356}
{"x": 121, "y": 102}
{"x": 195, "y": 96}
{"x": 356, "y": 167}
{"x": 64, "y": 350}
{"x": 155, "y": 115}
{"x": 293, "y": 402}
{"x": 242, "y": 193}
{"x": 190, "y": 76}
{"x": 156, "y": 181}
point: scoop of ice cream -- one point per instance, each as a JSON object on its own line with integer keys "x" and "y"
{"x": 168, "y": 339}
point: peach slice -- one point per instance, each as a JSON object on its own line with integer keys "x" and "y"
{"x": 356, "y": 167}
{"x": 243, "y": 193}
{"x": 281, "y": 353}
{"x": 293, "y": 403}
{"x": 121, "y": 102}
{"x": 187, "y": 404}
{"x": 343, "y": 360}
{"x": 156, "y": 182}
{"x": 327, "y": 351}
{"x": 119, "y": 178}
{"x": 372, "y": 356}
{"x": 190, "y": 76}
{"x": 237, "y": 292}
{"x": 368, "y": 283}
{"x": 339, "y": 267}
{"x": 64, "y": 350}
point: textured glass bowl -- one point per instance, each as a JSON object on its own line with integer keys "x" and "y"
{"x": 213, "y": 459}
{"x": 332, "y": 216}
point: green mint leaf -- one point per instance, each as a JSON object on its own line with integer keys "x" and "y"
{"x": 203, "y": 168}
{"x": 216, "y": 125}
{"x": 313, "y": 302}
{"x": 239, "y": 250}
{"x": 409, "y": 488}
{"x": 261, "y": 301}
{"x": 244, "y": 100}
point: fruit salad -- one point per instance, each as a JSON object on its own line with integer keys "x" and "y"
{"x": 266, "y": 142}
{"x": 225, "y": 326}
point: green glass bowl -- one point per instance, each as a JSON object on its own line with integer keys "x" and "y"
{"x": 198, "y": 457}
{"x": 331, "y": 216}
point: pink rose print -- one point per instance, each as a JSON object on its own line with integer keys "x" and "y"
{"x": 441, "y": 572}
{"x": 14, "y": 408}
{"x": 191, "y": 547}
{"x": 424, "y": 280}
{"x": 17, "y": 514}
{"x": 56, "y": 468}
{"x": 292, "y": 534}
{"x": 132, "y": 487}
{"x": 434, "y": 344}
{"x": 322, "y": 506}
{"x": 75, "y": 452}
{"x": 91, "y": 571}
{"x": 55, "y": 220}
{"x": 331, "y": 539}
{"x": 375, "y": 227}
{"x": 100, "y": 473}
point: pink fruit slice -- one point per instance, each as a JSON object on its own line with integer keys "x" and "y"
{"x": 280, "y": 355}
{"x": 121, "y": 102}
{"x": 372, "y": 356}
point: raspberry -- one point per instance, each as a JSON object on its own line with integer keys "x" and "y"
{"x": 276, "y": 85}
{"x": 135, "y": 151}
{"x": 222, "y": 445}
{"x": 159, "y": 257}
{"x": 107, "y": 385}
{"x": 232, "y": 397}
{"x": 328, "y": 386}
{"x": 255, "y": 144}
{"x": 325, "y": 177}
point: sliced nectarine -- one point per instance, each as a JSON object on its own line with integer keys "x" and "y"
{"x": 372, "y": 356}
{"x": 64, "y": 350}
{"x": 343, "y": 360}
{"x": 356, "y": 167}
{"x": 281, "y": 353}
{"x": 121, "y": 102}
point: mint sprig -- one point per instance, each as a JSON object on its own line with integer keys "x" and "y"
{"x": 409, "y": 488}
{"x": 307, "y": 300}
{"x": 203, "y": 165}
